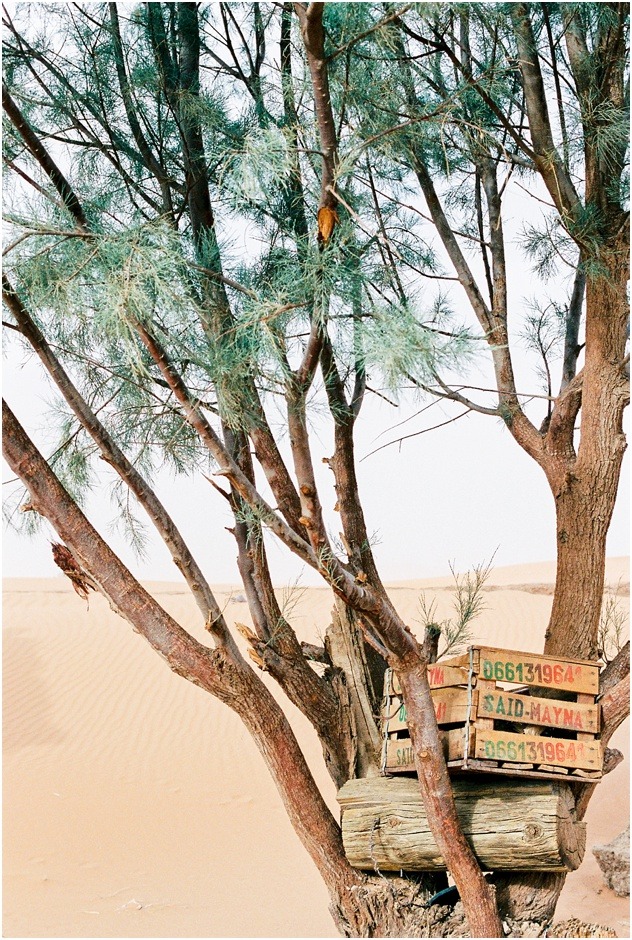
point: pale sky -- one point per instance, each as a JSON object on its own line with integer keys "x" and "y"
{"x": 459, "y": 493}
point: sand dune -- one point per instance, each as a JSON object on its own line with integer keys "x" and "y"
{"x": 135, "y": 805}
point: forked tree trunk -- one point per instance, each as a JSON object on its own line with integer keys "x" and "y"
{"x": 586, "y": 493}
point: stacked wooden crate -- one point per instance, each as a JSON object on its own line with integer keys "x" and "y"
{"x": 491, "y": 724}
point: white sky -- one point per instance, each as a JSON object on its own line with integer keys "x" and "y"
{"x": 456, "y": 494}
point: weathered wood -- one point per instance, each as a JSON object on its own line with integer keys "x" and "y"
{"x": 544, "y": 671}
{"x": 468, "y": 690}
{"x": 484, "y": 688}
{"x": 451, "y": 707}
{"x": 345, "y": 647}
{"x": 560, "y": 752}
{"x": 399, "y": 756}
{"x": 525, "y": 709}
{"x": 487, "y": 749}
{"x": 582, "y": 698}
{"x": 510, "y": 824}
{"x": 399, "y": 752}
{"x": 509, "y": 770}
{"x": 440, "y": 675}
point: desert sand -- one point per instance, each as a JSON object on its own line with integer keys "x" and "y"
{"x": 135, "y": 805}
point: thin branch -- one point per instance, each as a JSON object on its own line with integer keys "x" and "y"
{"x": 573, "y": 321}
{"x": 41, "y": 154}
{"x": 150, "y": 161}
{"x": 367, "y": 32}
{"x": 454, "y": 395}
{"x": 407, "y": 437}
{"x": 558, "y": 89}
{"x": 546, "y": 157}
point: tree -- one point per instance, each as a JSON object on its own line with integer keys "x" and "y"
{"x": 136, "y": 139}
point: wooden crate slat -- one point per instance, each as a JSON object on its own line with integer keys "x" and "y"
{"x": 562, "y": 752}
{"x": 507, "y": 770}
{"x": 450, "y": 707}
{"x": 399, "y": 752}
{"x": 530, "y": 669}
{"x": 440, "y": 676}
{"x": 393, "y": 714}
{"x": 454, "y": 743}
{"x": 399, "y": 756}
{"x": 529, "y": 710}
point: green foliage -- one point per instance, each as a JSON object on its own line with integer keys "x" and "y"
{"x": 468, "y": 604}
{"x": 548, "y": 246}
{"x": 396, "y": 343}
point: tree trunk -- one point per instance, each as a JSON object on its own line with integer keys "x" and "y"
{"x": 586, "y": 490}
{"x": 436, "y": 789}
{"x": 582, "y": 518}
{"x": 531, "y": 897}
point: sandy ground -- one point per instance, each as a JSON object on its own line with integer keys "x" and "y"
{"x": 135, "y": 805}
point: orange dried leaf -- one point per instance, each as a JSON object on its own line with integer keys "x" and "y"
{"x": 327, "y": 219}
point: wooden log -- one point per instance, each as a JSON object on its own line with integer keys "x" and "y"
{"x": 512, "y": 825}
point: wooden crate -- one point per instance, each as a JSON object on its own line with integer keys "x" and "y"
{"x": 490, "y": 723}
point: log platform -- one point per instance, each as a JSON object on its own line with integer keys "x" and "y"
{"x": 512, "y": 825}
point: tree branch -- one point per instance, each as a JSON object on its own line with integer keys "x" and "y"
{"x": 547, "y": 160}
{"x": 41, "y": 154}
{"x": 616, "y": 670}
{"x": 150, "y": 161}
{"x": 313, "y": 33}
{"x": 446, "y": 233}
{"x": 210, "y": 439}
{"x": 454, "y": 395}
{"x": 274, "y": 646}
{"x": 573, "y": 321}
{"x": 112, "y": 453}
{"x": 128, "y": 598}
{"x": 222, "y": 672}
